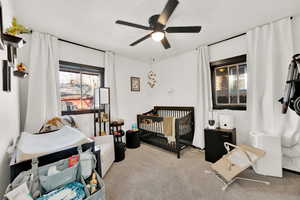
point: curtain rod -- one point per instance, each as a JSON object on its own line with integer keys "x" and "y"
{"x": 81, "y": 45}
{"x": 236, "y": 36}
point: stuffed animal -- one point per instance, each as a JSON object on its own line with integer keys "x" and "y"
{"x": 57, "y": 123}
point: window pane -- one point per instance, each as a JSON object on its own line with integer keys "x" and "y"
{"x": 233, "y": 87}
{"x": 243, "y": 83}
{"x": 89, "y": 83}
{"x": 222, "y": 85}
{"x": 70, "y": 91}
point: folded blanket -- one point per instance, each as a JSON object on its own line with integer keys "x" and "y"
{"x": 169, "y": 128}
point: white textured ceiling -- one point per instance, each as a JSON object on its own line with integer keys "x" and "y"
{"x": 91, "y": 22}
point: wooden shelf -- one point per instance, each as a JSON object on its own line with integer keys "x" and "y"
{"x": 20, "y": 74}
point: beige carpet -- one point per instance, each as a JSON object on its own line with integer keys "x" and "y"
{"x": 150, "y": 173}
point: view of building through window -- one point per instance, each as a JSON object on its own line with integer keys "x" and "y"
{"x": 77, "y": 89}
{"x": 231, "y": 85}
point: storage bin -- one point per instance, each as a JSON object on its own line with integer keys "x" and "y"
{"x": 64, "y": 176}
{"x": 99, "y": 194}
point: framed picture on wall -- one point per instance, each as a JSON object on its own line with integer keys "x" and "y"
{"x": 135, "y": 83}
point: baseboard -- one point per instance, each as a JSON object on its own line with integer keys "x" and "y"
{"x": 197, "y": 148}
{"x": 294, "y": 172}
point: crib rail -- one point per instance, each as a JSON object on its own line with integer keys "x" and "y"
{"x": 150, "y": 123}
{"x": 152, "y": 127}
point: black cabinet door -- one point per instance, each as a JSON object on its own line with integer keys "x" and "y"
{"x": 214, "y": 144}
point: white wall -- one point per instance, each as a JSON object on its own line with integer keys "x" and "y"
{"x": 9, "y": 109}
{"x": 77, "y": 54}
{"x": 296, "y": 23}
{"x": 176, "y": 81}
{"x": 131, "y": 103}
{"x": 228, "y": 49}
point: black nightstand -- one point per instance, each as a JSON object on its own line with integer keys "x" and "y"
{"x": 214, "y": 143}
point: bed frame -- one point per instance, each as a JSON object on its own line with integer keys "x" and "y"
{"x": 184, "y": 127}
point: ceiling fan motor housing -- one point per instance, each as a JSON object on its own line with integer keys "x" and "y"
{"x": 153, "y": 22}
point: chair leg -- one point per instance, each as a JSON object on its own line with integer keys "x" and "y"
{"x": 245, "y": 179}
{"x": 227, "y": 184}
{"x": 253, "y": 180}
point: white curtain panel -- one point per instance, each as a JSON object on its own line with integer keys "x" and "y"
{"x": 43, "y": 82}
{"x": 204, "y": 103}
{"x": 110, "y": 81}
{"x": 270, "y": 50}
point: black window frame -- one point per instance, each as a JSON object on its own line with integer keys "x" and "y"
{"x": 73, "y": 67}
{"x": 221, "y": 63}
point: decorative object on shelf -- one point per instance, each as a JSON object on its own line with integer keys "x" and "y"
{"x": 6, "y": 73}
{"x": 102, "y": 111}
{"x": 211, "y": 122}
{"x": 102, "y": 133}
{"x": 21, "y": 71}
{"x": 134, "y": 127}
{"x": 17, "y": 29}
{"x": 135, "y": 83}
{"x": 21, "y": 67}
{"x": 152, "y": 79}
{"x": 104, "y": 117}
{"x": 226, "y": 122}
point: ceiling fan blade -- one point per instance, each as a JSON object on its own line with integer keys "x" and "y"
{"x": 167, "y": 12}
{"x": 165, "y": 43}
{"x": 184, "y": 29}
{"x": 132, "y": 25}
{"x": 141, "y": 40}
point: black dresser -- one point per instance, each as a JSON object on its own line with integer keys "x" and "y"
{"x": 214, "y": 143}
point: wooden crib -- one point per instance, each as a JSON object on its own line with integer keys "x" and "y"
{"x": 153, "y": 126}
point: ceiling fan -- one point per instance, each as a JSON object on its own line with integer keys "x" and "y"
{"x": 157, "y": 24}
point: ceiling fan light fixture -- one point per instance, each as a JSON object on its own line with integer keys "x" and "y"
{"x": 158, "y": 36}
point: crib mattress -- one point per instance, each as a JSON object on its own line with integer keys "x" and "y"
{"x": 31, "y": 146}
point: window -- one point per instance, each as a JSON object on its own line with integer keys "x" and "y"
{"x": 77, "y": 84}
{"x": 229, "y": 83}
